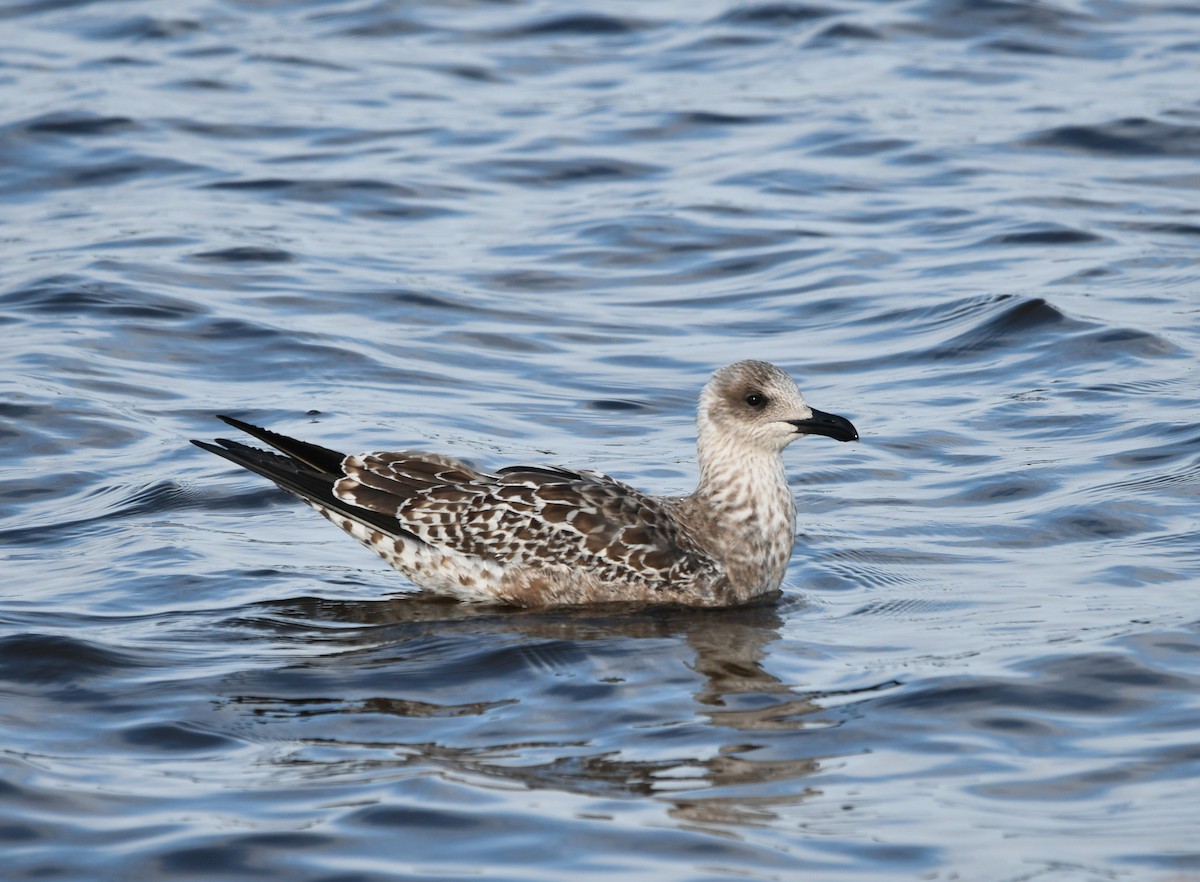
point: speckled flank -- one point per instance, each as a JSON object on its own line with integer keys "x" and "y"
{"x": 537, "y": 536}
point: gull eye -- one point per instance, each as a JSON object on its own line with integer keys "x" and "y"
{"x": 756, "y": 400}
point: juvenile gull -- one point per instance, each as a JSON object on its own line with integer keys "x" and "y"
{"x": 543, "y": 535}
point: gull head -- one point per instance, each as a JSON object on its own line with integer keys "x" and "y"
{"x": 757, "y": 407}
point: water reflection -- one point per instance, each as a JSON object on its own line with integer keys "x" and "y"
{"x": 500, "y": 697}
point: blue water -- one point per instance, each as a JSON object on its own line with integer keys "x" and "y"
{"x": 528, "y": 231}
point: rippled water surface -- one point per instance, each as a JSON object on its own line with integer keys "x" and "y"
{"x": 528, "y": 231}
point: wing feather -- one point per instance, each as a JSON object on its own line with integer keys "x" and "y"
{"x": 528, "y": 515}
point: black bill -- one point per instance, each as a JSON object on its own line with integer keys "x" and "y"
{"x": 821, "y": 423}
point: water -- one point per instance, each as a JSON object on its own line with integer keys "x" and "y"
{"x": 528, "y": 231}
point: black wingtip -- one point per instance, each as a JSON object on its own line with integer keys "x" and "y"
{"x": 303, "y": 469}
{"x": 252, "y": 430}
{"x": 321, "y": 458}
{"x": 204, "y": 445}
{"x": 235, "y": 422}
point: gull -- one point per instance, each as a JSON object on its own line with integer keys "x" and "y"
{"x": 537, "y": 536}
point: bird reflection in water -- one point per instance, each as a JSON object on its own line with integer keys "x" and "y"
{"x": 408, "y": 683}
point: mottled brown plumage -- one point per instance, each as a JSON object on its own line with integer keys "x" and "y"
{"x": 538, "y": 535}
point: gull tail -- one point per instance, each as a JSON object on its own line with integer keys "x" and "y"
{"x": 303, "y": 469}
